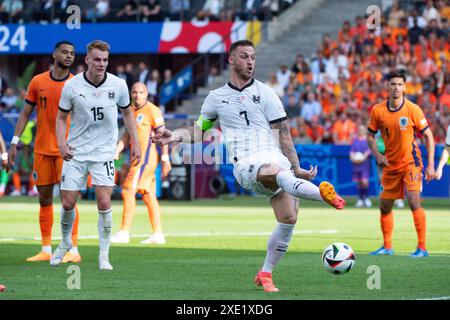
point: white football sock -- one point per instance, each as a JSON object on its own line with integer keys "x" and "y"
{"x": 297, "y": 187}
{"x": 47, "y": 249}
{"x": 67, "y": 218}
{"x": 104, "y": 232}
{"x": 277, "y": 245}
{"x": 74, "y": 250}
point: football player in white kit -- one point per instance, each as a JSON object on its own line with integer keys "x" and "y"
{"x": 259, "y": 144}
{"x": 92, "y": 98}
{"x": 444, "y": 156}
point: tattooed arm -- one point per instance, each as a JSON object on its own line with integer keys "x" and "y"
{"x": 281, "y": 129}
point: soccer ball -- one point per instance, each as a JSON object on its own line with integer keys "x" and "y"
{"x": 338, "y": 258}
{"x": 358, "y": 156}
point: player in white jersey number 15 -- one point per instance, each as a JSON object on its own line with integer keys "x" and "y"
{"x": 92, "y": 98}
{"x": 258, "y": 140}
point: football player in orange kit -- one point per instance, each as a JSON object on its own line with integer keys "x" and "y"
{"x": 141, "y": 178}
{"x": 44, "y": 92}
{"x": 398, "y": 119}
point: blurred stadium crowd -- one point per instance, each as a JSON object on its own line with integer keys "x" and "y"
{"x": 54, "y": 11}
{"x": 328, "y": 95}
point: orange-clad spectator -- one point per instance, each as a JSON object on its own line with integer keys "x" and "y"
{"x": 360, "y": 27}
{"x": 328, "y": 45}
{"x": 343, "y": 86}
{"x": 413, "y": 88}
{"x": 327, "y": 100}
{"x": 426, "y": 67}
{"x": 315, "y": 130}
{"x": 345, "y": 33}
{"x": 444, "y": 9}
{"x": 403, "y": 56}
{"x": 428, "y": 101}
{"x": 300, "y": 136}
{"x": 401, "y": 30}
{"x": 422, "y": 48}
{"x": 442, "y": 54}
{"x": 343, "y": 129}
{"x": 444, "y": 99}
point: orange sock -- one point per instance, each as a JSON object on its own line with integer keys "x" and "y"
{"x": 387, "y": 226}
{"x": 420, "y": 223}
{"x": 46, "y": 224}
{"x": 75, "y": 228}
{"x": 129, "y": 207}
{"x": 16, "y": 182}
{"x": 154, "y": 212}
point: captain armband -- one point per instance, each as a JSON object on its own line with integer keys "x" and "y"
{"x": 205, "y": 124}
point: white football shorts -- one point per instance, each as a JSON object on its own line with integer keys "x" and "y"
{"x": 75, "y": 173}
{"x": 246, "y": 170}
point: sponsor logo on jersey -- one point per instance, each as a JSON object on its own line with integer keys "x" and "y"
{"x": 403, "y": 123}
{"x": 97, "y": 95}
{"x": 35, "y": 175}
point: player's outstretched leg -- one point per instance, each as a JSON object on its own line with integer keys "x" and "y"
{"x": 305, "y": 189}
{"x": 104, "y": 232}
{"x": 67, "y": 218}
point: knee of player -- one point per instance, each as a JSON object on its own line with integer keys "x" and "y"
{"x": 103, "y": 204}
{"x": 45, "y": 202}
{"x": 290, "y": 219}
{"x": 68, "y": 204}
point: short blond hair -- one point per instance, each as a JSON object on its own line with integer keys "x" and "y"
{"x": 98, "y": 44}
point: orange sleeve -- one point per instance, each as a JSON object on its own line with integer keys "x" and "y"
{"x": 420, "y": 122}
{"x": 373, "y": 122}
{"x": 31, "y": 97}
{"x": 157, "y": 119}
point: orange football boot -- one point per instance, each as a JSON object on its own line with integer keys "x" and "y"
{"x": 330, "y": 196}
{"x": 71, "y": 257}
{"x": 41, "y": 256}
{"x": 264, "y": 279}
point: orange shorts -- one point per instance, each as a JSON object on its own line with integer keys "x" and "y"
{"x": 47, "y": 169}
{"x": 393, "y": 183}
{"x": 142, "y": 178}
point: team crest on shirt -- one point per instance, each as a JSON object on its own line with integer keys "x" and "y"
{"x": 403, "y": 123}
{"x": 35, "y": 175}
{"x": 256, "y": 99}
{"x": 111, "y": 95}
{"x": 140, "y": 118}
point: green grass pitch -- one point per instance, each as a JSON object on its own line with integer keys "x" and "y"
{"x": 215, "y": 247}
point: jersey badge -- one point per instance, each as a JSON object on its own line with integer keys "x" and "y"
{"x": 140, "y": 118}
{"x": 403, "y": 123}
{"x": 111, "y": 95}
{"x": 256, "y": 99}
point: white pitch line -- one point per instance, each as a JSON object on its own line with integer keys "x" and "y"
{"x": 436, "y": 298}
{"x": 190, "y": 234}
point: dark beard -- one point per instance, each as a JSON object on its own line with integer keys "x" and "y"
{"x": 243, "y": 74}
{"x": 62, "y": 66}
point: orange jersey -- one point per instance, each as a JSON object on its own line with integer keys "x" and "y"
{"x": 148, "y": 118}
{"x": 44, "y": 92}
{"x": 397, "y": 130}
